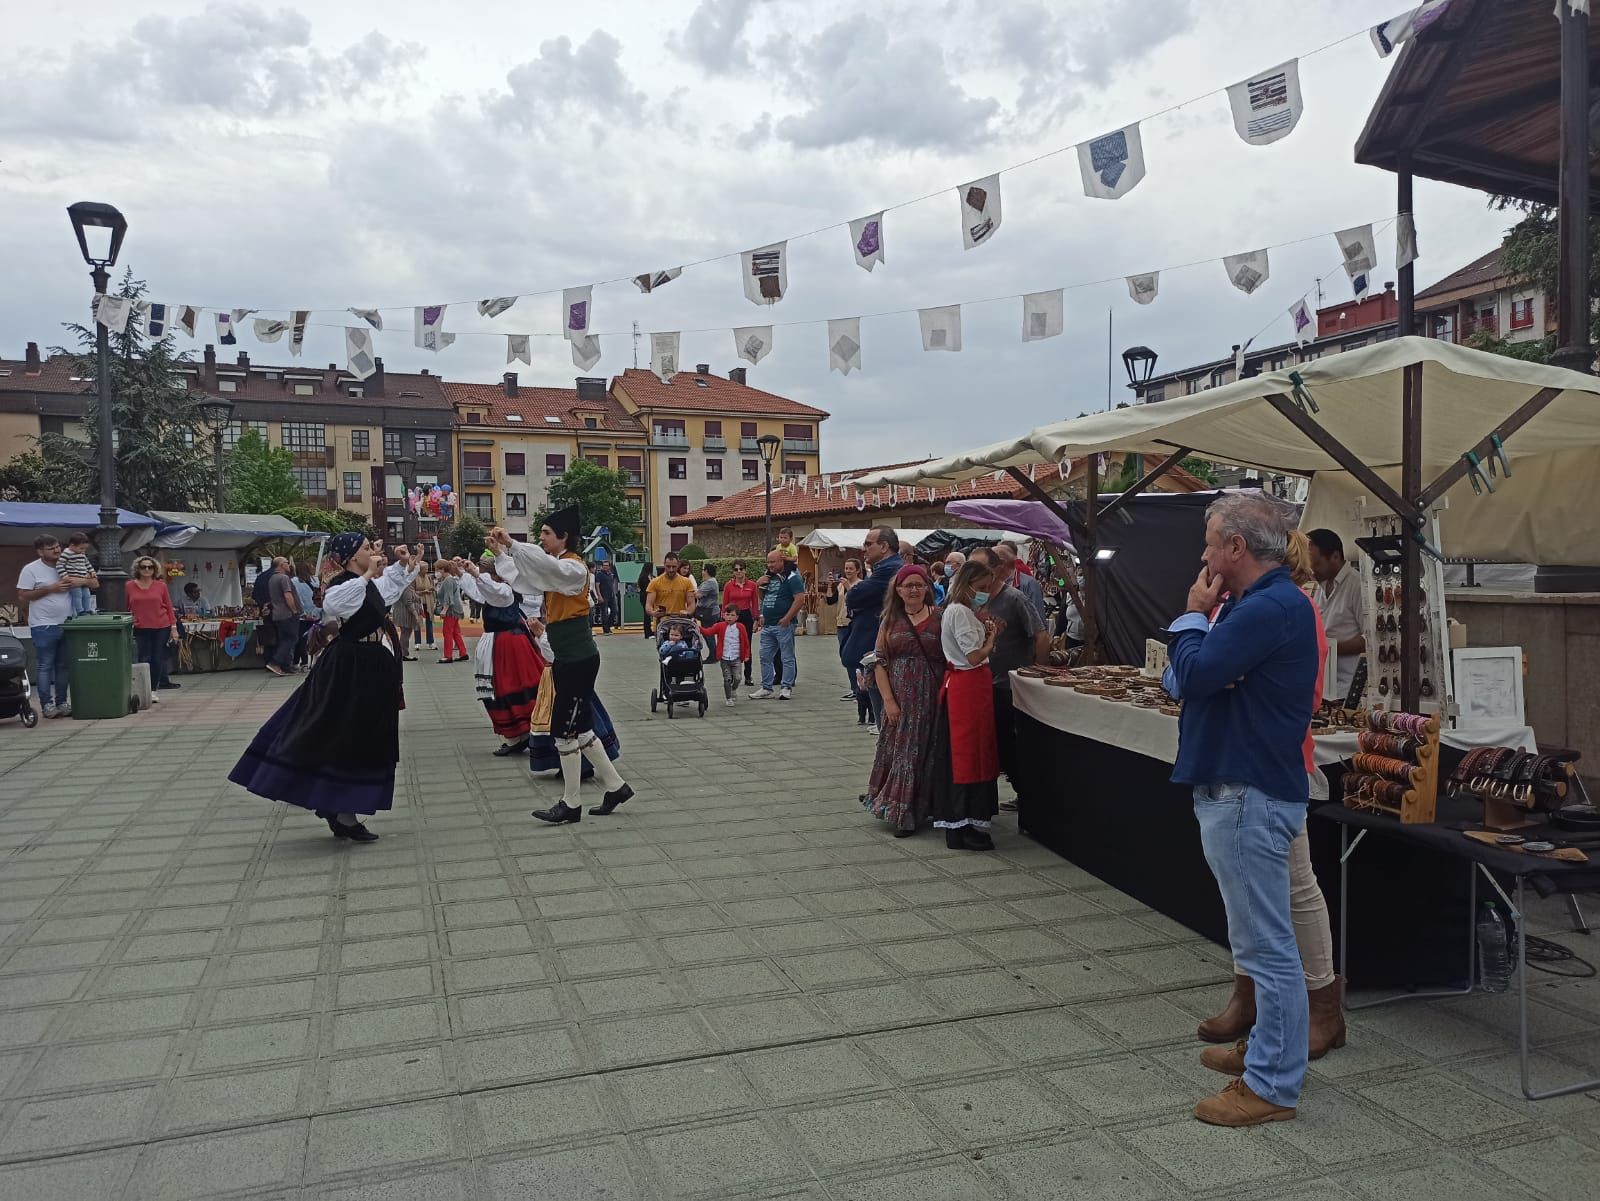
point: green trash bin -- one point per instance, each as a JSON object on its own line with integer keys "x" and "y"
{"x": 100, "y": 664}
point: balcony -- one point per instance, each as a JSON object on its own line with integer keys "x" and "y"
{"x": 802, "y": 446}
{"x": 714, "y": 443}
{"x": 1488, "y": 325}
{"x": 477, "y": 475}
{"x": 748, "y": 446}
{"x": 635, "y": 479}
{"x": 669, "y": 439}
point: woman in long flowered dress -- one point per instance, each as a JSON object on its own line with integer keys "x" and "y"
{"x": 909, "y": 672}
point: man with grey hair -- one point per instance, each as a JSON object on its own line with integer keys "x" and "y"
{"x": 1249, "y": 682}
{"x": 1023, "y": 640}
{"x": 1020, "y": 579}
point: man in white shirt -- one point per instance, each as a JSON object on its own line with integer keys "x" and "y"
{"x": 1340, "y": 597}
{"x": 45, "y": 593}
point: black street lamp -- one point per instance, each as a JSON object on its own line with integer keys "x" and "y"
{"x": 1140, "y": 363}
{"x": 769, "y": 445}
{"x": 100, "y": 229}
{"x": 408, "y": 519}
{"x": 216, "y": 414}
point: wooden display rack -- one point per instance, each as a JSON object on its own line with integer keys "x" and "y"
{"x": 1419, "y": 805}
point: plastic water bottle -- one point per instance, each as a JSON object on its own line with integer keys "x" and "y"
{"x": 1494, "y": 956}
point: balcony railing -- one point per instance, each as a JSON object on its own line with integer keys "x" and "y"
{"x": 635, "y": 479}
{"x": 805, "y": 446}
{"x": 748, "y": 445}
{"x": 714, "y": 442}
{"x": 1488, "y": 325}
{"x": 477, "y": 475}
{"x": 661, "y": 437}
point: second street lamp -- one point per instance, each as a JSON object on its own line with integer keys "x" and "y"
{"x": 216, "y": 414}
{"x": 407, "y": 467}
{"x": 769, "y": 444}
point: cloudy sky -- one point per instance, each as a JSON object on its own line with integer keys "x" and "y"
{"x": 299, "y": 155}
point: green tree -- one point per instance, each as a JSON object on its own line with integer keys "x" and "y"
{"x": 1531, "y": 254}
{"x": 601, "y": 497}
{"x": 332, "y": 521}
{"x": 261, "y": 477}
{"x": 463, "y": 536}
{"x": 31, "y": 476}
{"x": 692, "y": 553}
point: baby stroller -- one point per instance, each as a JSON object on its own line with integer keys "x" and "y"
{"x": 683, "y": 680}
{"x": 16, "y": 693}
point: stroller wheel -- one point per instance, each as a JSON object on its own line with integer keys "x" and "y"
{"x": 654, "y": 698}
{"x": 29, "y": 716}
{"x": 702, "y": 708}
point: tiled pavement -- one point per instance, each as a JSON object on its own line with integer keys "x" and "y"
{"x": 738, "y": 986}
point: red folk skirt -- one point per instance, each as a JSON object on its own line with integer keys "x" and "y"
{"x": 518, "y": 667}
{"x": 969, "y": 700}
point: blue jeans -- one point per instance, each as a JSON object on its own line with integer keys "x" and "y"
{"x": 776, "y": 639}
{"x": 50, "y": 649}
{"x": 1246, "y": 836}
{"x": 82, "y": 601}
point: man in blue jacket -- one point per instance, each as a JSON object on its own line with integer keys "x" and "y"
{"x": 864, "y": 601}
{"x": 1248, "y": 684}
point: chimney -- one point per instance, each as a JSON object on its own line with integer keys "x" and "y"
{"x": 592, "y": 388}
{"x": 1388, "y": 287}
{"x": 702, "y": 368}
{"x": 374, "y": 386}
{"x": 736, "y": 374}
{"x": 333, "y": 366}
{"x": 508, "y": 383}
{"x": 31, "y": 363}
{"x": 424, "y": 371}
{"x": 244, "y": 360}
{"x": 208, "y": 372}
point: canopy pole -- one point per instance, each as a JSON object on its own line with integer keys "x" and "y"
{"x": 1410, "y": 548}
{"x": 1083, "y": 538}
{"x": 1166, "y": 465}
{"x": 1407, "y": 316}
{"x": 1484, "y": 448}
{"x": 1093, "y": 652}
{"x": 1572, "y": 271}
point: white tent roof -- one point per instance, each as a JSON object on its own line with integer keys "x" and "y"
{"x": 852, "y": 539}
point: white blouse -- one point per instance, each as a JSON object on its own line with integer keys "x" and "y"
{"x": 529, "y": 565}
{"x": 961, "y": 633}
{"x": 344, "y": 600}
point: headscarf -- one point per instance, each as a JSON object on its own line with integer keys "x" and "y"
{"x": 566, "y": 523}
{"x": 343, "y": 546}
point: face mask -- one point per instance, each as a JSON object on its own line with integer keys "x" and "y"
{"x": 980, "y": 599}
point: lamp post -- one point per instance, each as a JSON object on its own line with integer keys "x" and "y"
{"x": 408, "y": 519}
{"x": 216, "y": 414}
{"x": 1140, "y": 364}
{"x": 106, "y": 227}
{"x": 769, "y": 445}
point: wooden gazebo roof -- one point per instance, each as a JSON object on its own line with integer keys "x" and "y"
{"x": 1475, "y": 100}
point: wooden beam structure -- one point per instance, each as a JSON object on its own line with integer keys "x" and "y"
{"x": 1083, "y": 541}
{"x": 1161, "y": 469}
{"x": 1484, "y": 448}
{"x": 1346, "y": 458}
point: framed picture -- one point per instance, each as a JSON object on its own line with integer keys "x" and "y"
{"x": 1489, "y": 685}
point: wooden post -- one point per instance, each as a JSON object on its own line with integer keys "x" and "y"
{"x": 1093, "y": 651}
{"x": 1407, "y": 282}
{"x": 1572, "y": 272}
{"x": 1411, "y": 561}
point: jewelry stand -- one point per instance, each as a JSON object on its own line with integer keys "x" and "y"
{"x": 1418, "y": 805}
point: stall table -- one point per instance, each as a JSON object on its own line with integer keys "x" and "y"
{"x": 204, "y": 648}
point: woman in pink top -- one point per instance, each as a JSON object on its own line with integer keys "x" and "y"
{"x": 155, "y": 622}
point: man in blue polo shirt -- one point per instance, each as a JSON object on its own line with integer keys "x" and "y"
{"x": 1247, "y": 684}
{"x": 782, "y": 594}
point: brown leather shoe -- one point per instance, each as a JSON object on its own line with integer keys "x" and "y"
{"x": 1227, "y": 1060}
{"x": 1236, "y": 1105}
{"x": 1327, "y": 1018}
{"x": 1237, "y": 1016}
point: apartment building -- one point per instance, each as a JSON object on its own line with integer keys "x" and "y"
{"x": 1483, "y": 298}
{"x": 39, "y": 395}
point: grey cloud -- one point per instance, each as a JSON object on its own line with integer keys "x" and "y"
{"x": 564, "y": 81}
{"x": 714, "y": 36}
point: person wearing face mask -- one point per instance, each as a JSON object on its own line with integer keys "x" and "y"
{"x": 966, "y": 764}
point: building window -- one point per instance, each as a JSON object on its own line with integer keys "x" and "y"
{"x": 601, "y": 461}
{"x": 227, "y": 385}
{"x": 635, "y": 509}
{"x": 360, "y": 444}
{"x": 713, "y": 469}
{"x": 304, "y": 389}
{"x": 313, "y": 481}
{"x": 480, "y": 505}
{"x": 235, "y": 431}
{"x": 591, "y": 423}
{"x": 679, "y": 541}
{"x": 711, "y": 500}
{"x": 634, "y": 466}
{"x": 797, "y": 433}
{"x": 476, "y": 467}
{"x": 677, "y": 506}
{"x": 425, "y": 444}
{"x": 352, "y": 485}
{"x": 516, "y": 504}
{"x": 1522, "y": 313}
{"x": 1356, "y": 345}
{"x": 303, "y": 435}
{"x": 747, "y": 429}
{"x": 678, "y": 469}
{"x": 1219, "y": 377}
{"x": 750, "y": 469}
{"x": 474, "y": 418}
{"x": 391, "y": 445}
{"x": 669, "y": 432}
{"x": 516, "y": 463}
{"x": 793, "y": 467}
{"x": 713, "y": 429}
{"x": 1155, "y": 395}
{"x": 555, "y": 465}
{"x": 1444, "y": 327}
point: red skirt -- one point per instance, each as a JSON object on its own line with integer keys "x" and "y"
{"x": 518, "y": 667}
{"x": 969, "y": 699}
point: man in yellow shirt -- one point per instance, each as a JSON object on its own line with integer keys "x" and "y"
{"x": 670, "y": 594}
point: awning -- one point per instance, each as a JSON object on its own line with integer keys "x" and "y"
{"x": 852, "y": 539}
{"x": 227, "y": 531}
{"x": 23, "y": 521}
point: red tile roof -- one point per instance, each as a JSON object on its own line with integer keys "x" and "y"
{"x": 56, "y": 374}
{"x": 1480, "y": 273}
{"x": 533, "y": 405}
{"x": 718, "y": 395}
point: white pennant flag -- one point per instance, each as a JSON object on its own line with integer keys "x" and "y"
{"x": 752, "y": 342}
{"x": 1143, "y": 288}
{"x": 225, "y": 334}
{"x": 1247, "y": 272}
{"x": 941, "y": 327}
{"x": 1304, "y": 326}
{"x": 428, "y": 328}
{"x": 664, "y": 355}
{"x": 766, "y": 273}
{"x": 980, "y": 210}
{"x": 186, "y": 317}
{"x": 1267, "y": 106}
{"x": 1112, "y": 165}
{"x": 652, "y": 280}
{"x": 1043, "y": 315}
{"x": 1390, "y": 34}
{"x": 152, "y": 319}
{"x": 575, "y": 305}
{"x": 866, "y": 239}
{"x": 493, "y": 308}
{"x": 1360, "y": 252}
{"x": 297, "y": 331}
{"x": 269, "y": 330}
{"x": 371, "y": 316}
{"x": 518, "y": 349}
{"x": 360, "y": 360}
{"x": 1405, "y": 241}
{"x": 844, "y": 345}
{"x": 585, "y": 351}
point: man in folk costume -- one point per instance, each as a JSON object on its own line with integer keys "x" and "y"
{"x": 556, "y": 567}
{"x": 507, "y": 664}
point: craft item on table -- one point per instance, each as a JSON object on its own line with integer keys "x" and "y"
{"x": 752, "y": 342}
{"x": 1388, "y": 35}
{"x": 225, "y": 334}
{"x": 844, "y": 348}
{"x": 1113, "y": 164}
{"x": 980, "y": 210}
{"x": 1247, "y": 271}
{"x": 1512, "y": 783}
{"x": 297, "y": 331}
{"x": 575, "y": 306}
{"x": 585, "y": 351}
{"x": 113, "y": 311}
{"x": 1143, "y": 288}
{"x": 428, "y": 331}
{"x": 1304, "y": 324}
{"x": 518, "y": 349}
{"x": 1405, "y": 240}
{"x": 1539, "y": 850}
{"x": 1396, "y": 767}
{"x": 186, "y": 317}
{"x": 866, "y": 239}
{"x": 1043, "y": 315}
{"x": 233, "y": 645}
{"x": 766, "y": 273}
{"x": 371, "y": 316}
{"x": 1267, "y": 106}
{"x": 152, "y": 318}
{"x": 941, "y": 327}
{"x": 652, "y": 280}
{"x": 664, "y": 355}
{"x": 1360, "y": 253}
{"x": 268, "y": 329}
{"x": 493, "y": 308}
{"x": 360, "y": 359}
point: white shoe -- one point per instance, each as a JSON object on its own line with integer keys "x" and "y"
{"x": 155, "y": 698}
{"x": 785, "y": 693}
{"x": 64, "y": 709}
{"x": 49, "y": 711}
{"x": 762, "y": 694}
{"x": 873, "y": 730}
{"x": 728, "y": 702}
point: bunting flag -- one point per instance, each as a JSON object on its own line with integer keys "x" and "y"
{"x": 664, "y": 355}
{"x": 575, "y": 307}
{"x": 585, "y": 352}
{"x": 225, "y": 334}
{"x": 1405, "y": 241}
{"x": 941, "y": 327}
{"x": 980, "y": 210}
{"x": 1390, "y": 34}
{"x": 493, "y": 308}
{"x": 656, "y": 279}
{"x": 186, "y": 317}
{"x": 1360, "y": 253}
{"x": 152, "y": 319}
{"x": 1112, "y": 165}
{"x": 866, "y": 238}
{"x": 1268, "y": 106}
{"x": 1300, "y": 317}
{"x": 519, "y": 348}
{"x": 752, "y": 342}
{"x": 766, "y": 273}
{"x": 1043, "y": 315}
{"x": 844, "y": 345}
{"x": 1143, "y": 288}
{"x": 297, "y": 331}
{"x": 428, "y": 328}
{"x": 360, "y": 360}
{"x": 268, "y": 330}
{"x": 1247, "y": 272}
{"x": 371, "y": 316}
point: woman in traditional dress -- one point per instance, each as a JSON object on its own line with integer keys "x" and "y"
{"x": 966, "y": 759}
{"x": 333, "y": 745}
{"x": 557, "y": 568}
{"x": 909, "y": 671}
{"x": 507, "y": 661}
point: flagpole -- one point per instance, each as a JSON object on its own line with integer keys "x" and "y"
{"x": 1111, "y": 382}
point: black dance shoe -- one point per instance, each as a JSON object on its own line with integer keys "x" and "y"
{"x": 359, "y": 833}
{"x": 559, "y": 814}
{"x": 613, "y": 799}
{"x": 954, "y": 841}
{"x": 511, "y": 748}
{"x": 976, "y": 840}
{"x": 904, "y": 833}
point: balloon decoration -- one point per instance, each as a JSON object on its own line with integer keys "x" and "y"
{"x": 437, "y": 501}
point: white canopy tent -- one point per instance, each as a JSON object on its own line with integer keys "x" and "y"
{"x": 852, "y": 539}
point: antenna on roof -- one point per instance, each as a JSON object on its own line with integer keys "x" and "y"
{"x": 636, "y": 345}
